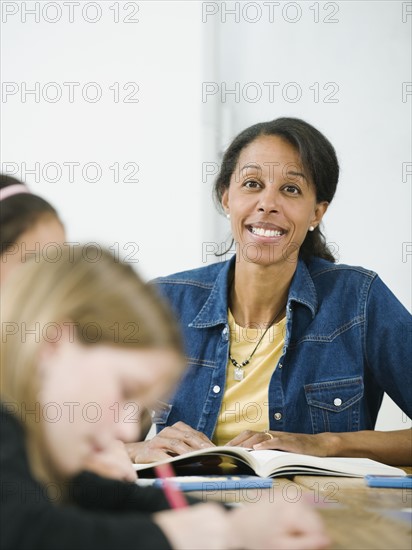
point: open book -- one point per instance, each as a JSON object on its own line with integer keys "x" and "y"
{"x": 267, "y": 463}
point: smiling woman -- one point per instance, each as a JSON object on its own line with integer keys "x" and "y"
{"x": 287, "y": 350}
{"x": 308, "y": 158}
{"x": 271, "y": 206}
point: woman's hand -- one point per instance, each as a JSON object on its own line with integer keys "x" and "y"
{"x": 173, "y": 440}
{"x": 306, "y": 444}
{"x": 393, "y": 447}
{"x": 113, "y": 463}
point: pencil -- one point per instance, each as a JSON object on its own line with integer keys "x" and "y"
{"x": 173, "y": 495}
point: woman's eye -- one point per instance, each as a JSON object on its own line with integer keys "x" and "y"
{"x": 292, "y": 189}
{"x": 251, "y": 184}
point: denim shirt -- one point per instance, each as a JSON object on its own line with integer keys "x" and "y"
{"x": 347, "y": 341}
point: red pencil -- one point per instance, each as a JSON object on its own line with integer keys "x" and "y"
{"x": 174, "y": 496}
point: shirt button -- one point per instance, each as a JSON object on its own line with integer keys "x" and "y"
{"x": 216, "y": 389}
{"x": 337, "y": 402}
{"x": 225, "y": 330}
{"x": 280, "y": 365}
{"x": 277, "y": 416}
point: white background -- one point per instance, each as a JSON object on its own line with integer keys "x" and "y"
{"x": 174, "y": 135}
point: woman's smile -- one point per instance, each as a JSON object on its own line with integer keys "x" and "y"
{"x": 266, "y": 232}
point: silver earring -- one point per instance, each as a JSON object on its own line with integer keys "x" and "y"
{"x": 228, "y": 216}
{"x": 311, "y": 228}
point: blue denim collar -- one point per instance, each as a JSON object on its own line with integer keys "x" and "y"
{"x": 302, "y": 289}
{"x": 214, "y": 310}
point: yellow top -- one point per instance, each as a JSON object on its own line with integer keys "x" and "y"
{"x": 245, "y": 402}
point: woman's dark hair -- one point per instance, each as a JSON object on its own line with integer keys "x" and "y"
{"x": 20, "y": 212}
{"x": 318, "y": 158}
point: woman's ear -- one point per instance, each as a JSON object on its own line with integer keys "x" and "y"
{"x": 225, "y": 201}
{"x": 320, "y": 210}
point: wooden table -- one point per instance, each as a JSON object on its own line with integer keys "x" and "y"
{"x": 356, "y": 517}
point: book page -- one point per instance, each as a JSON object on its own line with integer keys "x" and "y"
{"x": 269, "y": 462}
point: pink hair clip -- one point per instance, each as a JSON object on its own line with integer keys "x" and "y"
{"x": 11, "y": 190}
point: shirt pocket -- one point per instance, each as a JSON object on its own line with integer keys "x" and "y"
{"x": 335, "y": 405}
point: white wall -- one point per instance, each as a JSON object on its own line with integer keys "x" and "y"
{"x": 175, "y": 132}
{"x": 160, "y": 135}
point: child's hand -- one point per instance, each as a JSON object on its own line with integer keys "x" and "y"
{"x": 114, "y": 462}
{"x": 277, "y": 525}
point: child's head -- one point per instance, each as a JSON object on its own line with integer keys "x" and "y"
{"x": 84, "y": 342}
{"x": 28, "y": 224}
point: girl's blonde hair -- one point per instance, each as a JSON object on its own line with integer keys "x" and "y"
{"x": 100, "y": 299}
